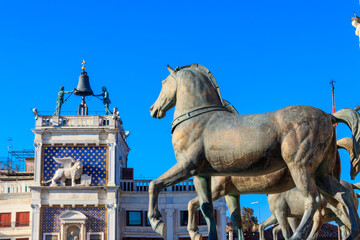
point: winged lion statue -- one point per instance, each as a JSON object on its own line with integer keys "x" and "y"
{"x": 72, "y": 169}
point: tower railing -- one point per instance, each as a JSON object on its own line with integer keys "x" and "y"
{"x": 77, "y": 121}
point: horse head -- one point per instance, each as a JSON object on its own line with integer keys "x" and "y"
{"x": 188, "y": 87}
{"x": 167, "y": 96}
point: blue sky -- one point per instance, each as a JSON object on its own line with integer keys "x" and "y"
{"x": 265, "y": 55}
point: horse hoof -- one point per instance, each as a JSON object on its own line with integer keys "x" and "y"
{"x": 198, "y": 236}
{"x": 160, "y": 228}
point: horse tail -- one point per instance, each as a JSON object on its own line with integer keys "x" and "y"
{"x": 356, "y": 186}
{"x": 347, "y": 144}
{"x": 351, "y": 118}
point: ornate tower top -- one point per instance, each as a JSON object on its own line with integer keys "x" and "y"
{"x": 83, "y": 65}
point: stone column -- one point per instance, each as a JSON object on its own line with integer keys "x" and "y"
{"x": 169, "y": 224}
{"x": 111, "y": 221}
{"x": 111, "y": 167}
{"x": 222, "y": 226}
{"x": 35, "y": 222}
{"x": 37, "y": 164}
{"x": 62, "y": 232}
{"x": 82, "y": 232}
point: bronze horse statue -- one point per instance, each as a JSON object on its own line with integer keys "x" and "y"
{"x": 293, "y": 146}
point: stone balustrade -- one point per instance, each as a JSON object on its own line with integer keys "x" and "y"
{"x": 15, "y": 187}
{"x": 143, "y": 186}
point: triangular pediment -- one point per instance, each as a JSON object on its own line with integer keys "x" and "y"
{"x": 72, "y": 215}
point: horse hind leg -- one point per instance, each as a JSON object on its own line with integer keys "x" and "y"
{"x": 203, "y": 190}
{"x": 305, "y": 183}
{"x": 302, "y": 155}
{"x": 334, "y": 190}
{"x": 233, "y": 203}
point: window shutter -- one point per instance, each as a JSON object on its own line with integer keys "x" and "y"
{"x": 22, "y": 219}
{"x": 5, "y": 219}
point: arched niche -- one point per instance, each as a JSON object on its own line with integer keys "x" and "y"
{"x": 73, "y": 221}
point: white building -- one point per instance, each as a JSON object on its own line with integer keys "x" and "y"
{"x": 15, "y": 210}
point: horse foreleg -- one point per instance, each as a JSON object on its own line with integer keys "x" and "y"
{"x": 233, "y": 203}
{"x": 179, "y": 172}
{"x": 275, "y": 232}
{"x": 203, "y": 190}
{"x": 283, "y": 223}
{"x": 192, "y": 226}
{"x": 316, "y": 226}
{"x": 271, "y": 220}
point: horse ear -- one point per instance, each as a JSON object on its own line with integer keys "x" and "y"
{"x": 170, "y": 69}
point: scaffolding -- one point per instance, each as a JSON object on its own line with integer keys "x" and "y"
{"x": 18, "y": 161}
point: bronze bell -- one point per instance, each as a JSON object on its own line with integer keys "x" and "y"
{"x": 83, "y": 88}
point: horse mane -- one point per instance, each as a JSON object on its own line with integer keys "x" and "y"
{"x": 204, "y": 70}
{"x": 200, "y": 68}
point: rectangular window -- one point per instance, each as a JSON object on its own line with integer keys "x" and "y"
{"x": 201, "y": 219}
{"x": 95, "y": 237}
{"x": 5, "y": 219}
{"x": 51, "y": 237}
{"x": 134, "y": 218}
{"x": 183, "y": 218}
{"x": 22, "y": 219}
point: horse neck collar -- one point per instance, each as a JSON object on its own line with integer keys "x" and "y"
{"x": 193, "y": 113}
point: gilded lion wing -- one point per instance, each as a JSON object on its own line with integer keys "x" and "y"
{"x": 65, "y": 161}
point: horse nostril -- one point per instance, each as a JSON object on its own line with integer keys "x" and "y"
{"x": 152, "y": 107}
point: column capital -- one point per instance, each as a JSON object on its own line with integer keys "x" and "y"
{"x": 111, "y": 145}
{"x": 36, "y": 207}
{"x": 37, "y": 145}
{"x": 111, "y": 207}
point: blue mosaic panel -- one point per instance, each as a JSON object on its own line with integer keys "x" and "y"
{"x": 94, "y": 223}
{"x": 93, "y": 158}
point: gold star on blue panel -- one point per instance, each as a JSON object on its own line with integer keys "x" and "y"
{"x": 93, "y": 158}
